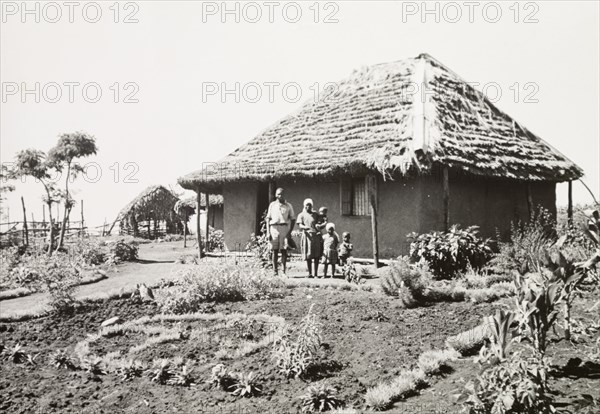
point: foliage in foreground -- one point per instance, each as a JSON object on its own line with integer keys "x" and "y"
{"x": 296, "y": 350}
{"x": 450, "y": 253}
{"x": 407, "y": 282}
{"x": 123, "y": 251}
{"x": 517, "y": 386}
{"x": 221, "y": 282}
{"x": 319, "y": 397}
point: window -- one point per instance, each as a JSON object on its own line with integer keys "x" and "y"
{"x": 354, "y": 197}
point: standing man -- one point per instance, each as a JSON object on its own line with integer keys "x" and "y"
{"x": 280, "y": 222}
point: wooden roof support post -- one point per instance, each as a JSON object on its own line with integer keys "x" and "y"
{"x": 446, "y": 199}
{"x": 529, "y": 202}
{"x": 271, "y": 192}
{"x": 371, "y": 183}
{"x": 570, "y": 205}
{"x": 198, "y": 230}
{"x": 206, "y": 233}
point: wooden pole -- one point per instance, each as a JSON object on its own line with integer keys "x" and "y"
{"x": 570, "y": 205}
{"x": 271, "y": 191}
{"x": 198, "y": 231}
{"x": 82, "y": 222}
{"x": 185, "y": 228}
{"x": 43, "y": 215}
{"x": 529, "y": 201}
{"x": 104, "y": 227}
{"x": 446, "y": 198}
{"x": 206, "y": 232}
{"x": 371, "y": 183}
{"x": 25, "y": 229}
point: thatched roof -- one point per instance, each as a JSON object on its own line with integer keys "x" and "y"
{"x": 190, "y": 203}
{"x": 155, "y": 201}
{"x": 374, "y": 120}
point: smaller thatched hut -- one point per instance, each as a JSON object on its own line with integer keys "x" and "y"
{"x": 151, "y": 214}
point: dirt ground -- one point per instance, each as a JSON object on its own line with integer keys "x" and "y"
{"x": 367, "y": 338}
{"x": 358, "y": 352}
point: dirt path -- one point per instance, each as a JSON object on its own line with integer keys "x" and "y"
{"x": 156, "y": 262}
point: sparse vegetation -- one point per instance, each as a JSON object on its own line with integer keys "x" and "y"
{"x": 296, "y": 350}
{"x": 218, "y": 283}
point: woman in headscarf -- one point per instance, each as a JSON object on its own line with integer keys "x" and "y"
{"x": 310, "y": 243}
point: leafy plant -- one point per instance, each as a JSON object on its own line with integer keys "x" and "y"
{"x": 61, "y": 359}
{"x": 294, "y": 357}
{"x": 160, "y": 371}
{"x": 246, "y": 385}
{"x": 587, "y": 404}
{"x": 260, "y": 246}
{"x": 592, "y": 231}
{"x": 130, "y": 370}
{"x": 91, "y": 252}
{"x": 449, "y": 253}
{"x": 216, "y": 240}
{"x": 351, "y": 274}
{"x": 516, "y": 386}
{"x": 220, "y": 377}
{"x": 16, "y": 354}
{"x": 500, "y": 330}
{"x": 524, "y": 251}
{"x": 94, "y": 366}
{"x": 181, "y": 377}
{"x": 60, "y": 277}
{"x": 122, "y": 251}
{"x": 320, "y": 397}
{"x": 536, "y": 305}
{"x": 406, "y": 281}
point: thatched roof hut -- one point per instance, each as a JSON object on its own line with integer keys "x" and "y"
{"x": 380, "y": 118}
{"x": 396, "y": 121}
{"x": 150, "y": 214}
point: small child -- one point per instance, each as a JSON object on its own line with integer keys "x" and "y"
{"x": 322, "y": 218}
{"x": 320, "y": 226}
{"x": 345, "y": 251}
{"x": 330, "y": 248}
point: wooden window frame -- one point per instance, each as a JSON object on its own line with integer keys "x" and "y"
{"x": 348, "y": 201}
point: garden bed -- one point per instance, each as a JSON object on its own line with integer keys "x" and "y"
{"x": 367, "y": 338}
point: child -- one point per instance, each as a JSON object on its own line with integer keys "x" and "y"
{"x": 320, "y": 225}
{"x": 346, "y": 247}
{"x": 330, "y": 245}
{"x": 322, "y": 219}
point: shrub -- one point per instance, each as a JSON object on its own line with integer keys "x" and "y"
{"x": 524, "y": 250}
{"x": 319, "y": 397}
{"x": 432, "y": 362}
{"x": 517, "y": 386}
{"x": 469, "y": 342}
{"x": 382, "y": 396}
{"x": 220, "y": 377}
{"x": 91, "y": 253}
{"x": 294, "y": 357}
{"x": 160, "y": 371}
{"x": 406, "y": 281}
{"x": 122, "y": 251}
{"x": 216, "y": 240}
{"x": 181, "y": 377}
{"x": 246, "y": 385}
{"x": 452, "y": 252}
{"x": 220, "y": 282}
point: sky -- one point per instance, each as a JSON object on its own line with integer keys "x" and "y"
{"x": 167, "y": 86}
